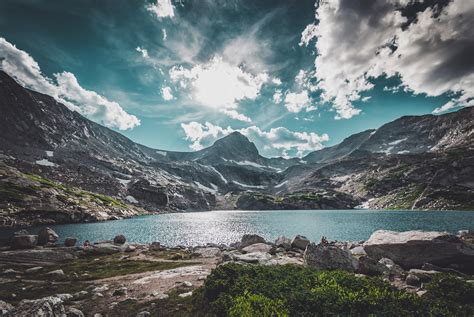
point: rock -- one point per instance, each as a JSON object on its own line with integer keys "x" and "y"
{"x": 74, "y": 312}
{"x": 156, "y": 246}
{"x": 424, "y": 276}
{"x": 248, "y": 239}
{"x": 257, "y": 247}
{"x": 187, "y": 284}
{"x": 11, "y": 272}
{"x": 431, "y": 267}
{"x": 369, "y": 266}
{"x": 56, "y": 273}
{"x": 47, "y": 235}
{"x": 284, "y": 260}
{"x": 183, "y": 295}
{"x": 34, "y": 270}
{"x": 70, "y": 242}
{"x": 143, "y": 314}
{"x": 283, "y": 242}
{"x": 103, "y": 249}
{"x": 208, "y": 252}
{"x": 47, "y": 306}
{"x": 393, "y": 268}
{"x": 413, "y": 280}
{"x": 27, "y": 241}
{"x": 130, "y": 248}
{"x": 299, "y": 242}
{"x": 329, "y": 257}
{"x": 120, "y": 292}
{"x": 5, "y": 308}
{"x": 411, "y": 249}
{"x": 100, "y": 289}
{"x": 120, "y": 239}
{"x": 53, "y": 255}
{"x": 359, "y": 250}
{"x": 80, "y": 295}
{"x": 256, "y": 257}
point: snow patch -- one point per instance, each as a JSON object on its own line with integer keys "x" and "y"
{"x": 365, "y": 204}
{"x": 281, "y": 184}
{"x": 403, "y": 152}
{"x": 205, "y": 188}
{"x": 131, "y": 199}
{"x": 248, "y": 186}
{"x": 212, "y": 168}
{"x": 45, "y": 162}
{"x": 161, "y": 153}
{"x": 342, "y": 178}
{"x": 49, "y": 153}
{"x": 397, "y": 141}
{"x": 124, "y": 182}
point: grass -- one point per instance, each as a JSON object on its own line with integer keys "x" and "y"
{"x": 95, "y": 268}
{"x": 407, "y": 197}
{"x": 244, "y": 290}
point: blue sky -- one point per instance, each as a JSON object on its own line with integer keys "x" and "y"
{"x": 293, "y": 76}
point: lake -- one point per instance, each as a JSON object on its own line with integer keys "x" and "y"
{"x": 197, "y": 228}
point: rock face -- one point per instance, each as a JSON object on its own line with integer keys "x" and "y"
{"x": 257, "y": 247}
{"x": 248, "y": 239}
{"x": 47, "y": 306}
{"x": 120, "y": 239}
{"x": 411, "y": 249}
{"x": 26, "y": 241}
{"x": 283, "y": 242}
{"x": 329, "y": 257}
{"x": 70, "y": 242}
{"x": 47, "y": 235}
{"x": 299, "y": 242}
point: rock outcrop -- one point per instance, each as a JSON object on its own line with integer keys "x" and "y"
{"x": 329, "y": 257}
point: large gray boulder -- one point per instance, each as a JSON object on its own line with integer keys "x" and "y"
{"x": 329, "y": 257}
{"x": 257, "y": 247}
{"x": 47, "y": 235}
{"x": 44, "y": 307}
{"x": 248, "y": 239}
{"x": 411, "y": 249}
{"x": 299, "y": 242}
{"x": 283, "y": 242}
{"x": 24, "y": 241}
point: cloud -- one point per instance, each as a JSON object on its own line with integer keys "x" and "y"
{"x": 162, "y": 8}
{"x": 219, "y": 85}
{"x": 359, "y": 41}
{"x": 274, "y": 142}
{"x": 66, "y": 89}
{"x": 295, "y": 102}
{"x": 167, "y": 93}
{"x": 165, "y": 34}
{"x": 142, "y": 51}
{"x": 277, "y": 96}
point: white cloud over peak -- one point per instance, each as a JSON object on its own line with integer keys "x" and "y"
{"x": 66, "y": 89}
{"x": 219, "y": 85}
{"x": 357, "y": 42}
{"x": 162, "y": 8}
{"x": 167, "y": 93}
{"x": 142, "y": 51}
{"x": 274, "y": 142}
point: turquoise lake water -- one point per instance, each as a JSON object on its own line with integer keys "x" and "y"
{"x": 197, "y": 228}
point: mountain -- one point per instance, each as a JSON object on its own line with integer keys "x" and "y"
{"x": 419, "y": 162}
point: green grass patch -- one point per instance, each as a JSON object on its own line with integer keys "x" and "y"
{"x": 251, "y": 290}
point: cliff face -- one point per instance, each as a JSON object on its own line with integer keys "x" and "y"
{"x": 419, "y": 162}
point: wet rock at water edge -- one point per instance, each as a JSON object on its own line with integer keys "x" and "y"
{"x": 300, "y": 242}
{"x": 283, "y": 242}
{"x": 70, "y": 242}
{"x": 47, "y": 235}
{"x": 120, "y": 239}
{"x": 248, "y": 239}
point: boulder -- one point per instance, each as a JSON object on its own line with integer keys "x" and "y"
{"x": 329, "y": 257}
{"x": 283, "y": 242}
{"x": 47, "y": 235}
{"x": 369, "y": 266}
{"x": 5, "y": 308}
{"x": 411, "y": 249}
{"x": 34, "y": 270}
{"x": 74, "y": 312}
{"x": 120, "y": 239}
{"x": 248, "y": 239}
{"x": 56, "y": 273}
{"x": 299, "y": 242}
{"x": 156, "y": 246}
{"x": 26, "y": 241}
{"x": 47, "y": 306}
{"x": 257, "y": 247}
{"x": 393, "y": 268}
{"x": 255, "y": 257}
{"x": 70, "y": 242}
{"x": 413, "y": 280}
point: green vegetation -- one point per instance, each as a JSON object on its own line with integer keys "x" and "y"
{"x": 94, "y": 268}
{"x": 407, "y": 196}
{"x": 239, "y": 290}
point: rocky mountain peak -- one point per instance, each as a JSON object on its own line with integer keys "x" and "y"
{"x": 235, "y": 145}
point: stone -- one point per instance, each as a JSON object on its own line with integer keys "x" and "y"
{"x": 431, "y": 267}
{"x": 143, "y": 314}
{"x": 120, "y": 292}
{"x": 120, "y": 239}
{"x": 27, "y": 241}
{"x": 5, "y": 308}
{"x": 283, "y": 242}
{"x": 183, "y": 295}
{"x": 329, "y": 257}
{"x": 256, "y": 257}
{"x": 47, "y": 235}
{"x": 34, "y": 270}
{"x": 80, "y": 295}
{"x": 156, "y": 246}
{"x": 11, "y": 272}
{"x": 56, "y": 273}
{"x": 413, "y": 280}
{"x": 358, "y": 250}
{"x": 411, "y": 249}
{"x": 249, "y": 239}
{"x": 423, "y": 276}
{"x": 300, "y": 242}
{"x": 393, "y": 268}
{"x": 70, "y": 242}
{"x": 103, "y": 249}
{"x": 208, "y": 252}
{"x": 130, "y": 248}
{"x": 369, "y": 266}
{"x": 74, "y": 312}
{"x": 46, "y": 306}
{"x": 257, "y": 247}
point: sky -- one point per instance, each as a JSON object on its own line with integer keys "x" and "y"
{"x": 293, "y": 76}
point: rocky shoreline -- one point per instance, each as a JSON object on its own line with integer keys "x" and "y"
{"x": 41, "y": 277}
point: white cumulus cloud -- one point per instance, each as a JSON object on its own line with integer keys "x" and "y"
{"x": 219, "y": 85}
{"x": 357, "y": 42}
{"x": 296, "y": 102}
{"x": 66, "y": 89}
{"x": 274, "y": 142}
{"x": 167, "y": 93}
{"x": 162, "y": 8}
